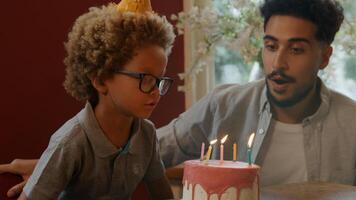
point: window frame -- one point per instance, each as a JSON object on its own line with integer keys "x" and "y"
{"x": 196, "y": 86}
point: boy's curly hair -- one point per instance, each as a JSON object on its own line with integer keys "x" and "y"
{"x": 327, "y": 15}
{"x": 103, "y": 39}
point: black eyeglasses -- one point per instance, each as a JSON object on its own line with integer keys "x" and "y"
{"x": 148, "y": 82}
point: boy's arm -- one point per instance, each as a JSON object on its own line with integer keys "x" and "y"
{"x": 160, "y": 189}
{"x": 54, "y": 170}
{"x": 22, "y": 167}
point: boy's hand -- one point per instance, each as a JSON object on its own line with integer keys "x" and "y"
{"x": 20, "y": 167}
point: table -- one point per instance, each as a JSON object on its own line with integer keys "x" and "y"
{"x": 309, "y": 191}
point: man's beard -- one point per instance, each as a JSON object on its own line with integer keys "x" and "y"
{"x": 296, "y": 98}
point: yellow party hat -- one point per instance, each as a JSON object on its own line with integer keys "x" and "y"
{"x": 137, "y": 6}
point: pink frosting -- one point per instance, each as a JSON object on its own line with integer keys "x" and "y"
{"x": 215, "y": 176}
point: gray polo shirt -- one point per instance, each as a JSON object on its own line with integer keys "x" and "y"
{"x": 81, "y": 163}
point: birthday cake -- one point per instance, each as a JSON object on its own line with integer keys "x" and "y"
{"x": 213, "y": 179}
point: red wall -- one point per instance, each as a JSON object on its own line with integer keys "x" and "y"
{"x": 33, "y": 102}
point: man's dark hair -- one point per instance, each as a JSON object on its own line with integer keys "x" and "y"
{"x": 327, "y": 15}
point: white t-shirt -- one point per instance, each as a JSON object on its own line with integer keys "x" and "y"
{"x": 285, "y": 159}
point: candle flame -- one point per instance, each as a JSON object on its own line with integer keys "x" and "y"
{"x": 223, "y": 139}
{"x": 250, "y": 140}
{"x": 213, "y": 142}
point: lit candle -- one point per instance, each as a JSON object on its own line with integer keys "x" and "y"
{"x": 202, "y": 151}
{"x": 235, "y": 152}
{"x": 222, "y": 148}
{"x": 210, "y": 149}
{"x": 249, "y": 145}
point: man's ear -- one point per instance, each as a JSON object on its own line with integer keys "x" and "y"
{"x": 99, "y": 85}
{"x": 326, "y": 56}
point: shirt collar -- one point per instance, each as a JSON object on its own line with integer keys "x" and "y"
{"x": 325, "y": 97}
{"x": 100, "y": 143}
{"x": 264, "y": 104}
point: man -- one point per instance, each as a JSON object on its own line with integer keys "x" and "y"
{"x": 304, "y": 131}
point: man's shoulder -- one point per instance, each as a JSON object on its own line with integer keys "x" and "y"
{"x": 235, "y": 87}
{"x": 343, "y": 109}
{"x": 236, "y": 92}
{"x": 343, "y": 102}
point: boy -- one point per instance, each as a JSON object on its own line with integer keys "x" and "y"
{"x": 117, "y": 56}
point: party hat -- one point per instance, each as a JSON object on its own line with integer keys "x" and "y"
{"x": 137, "y": 6}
